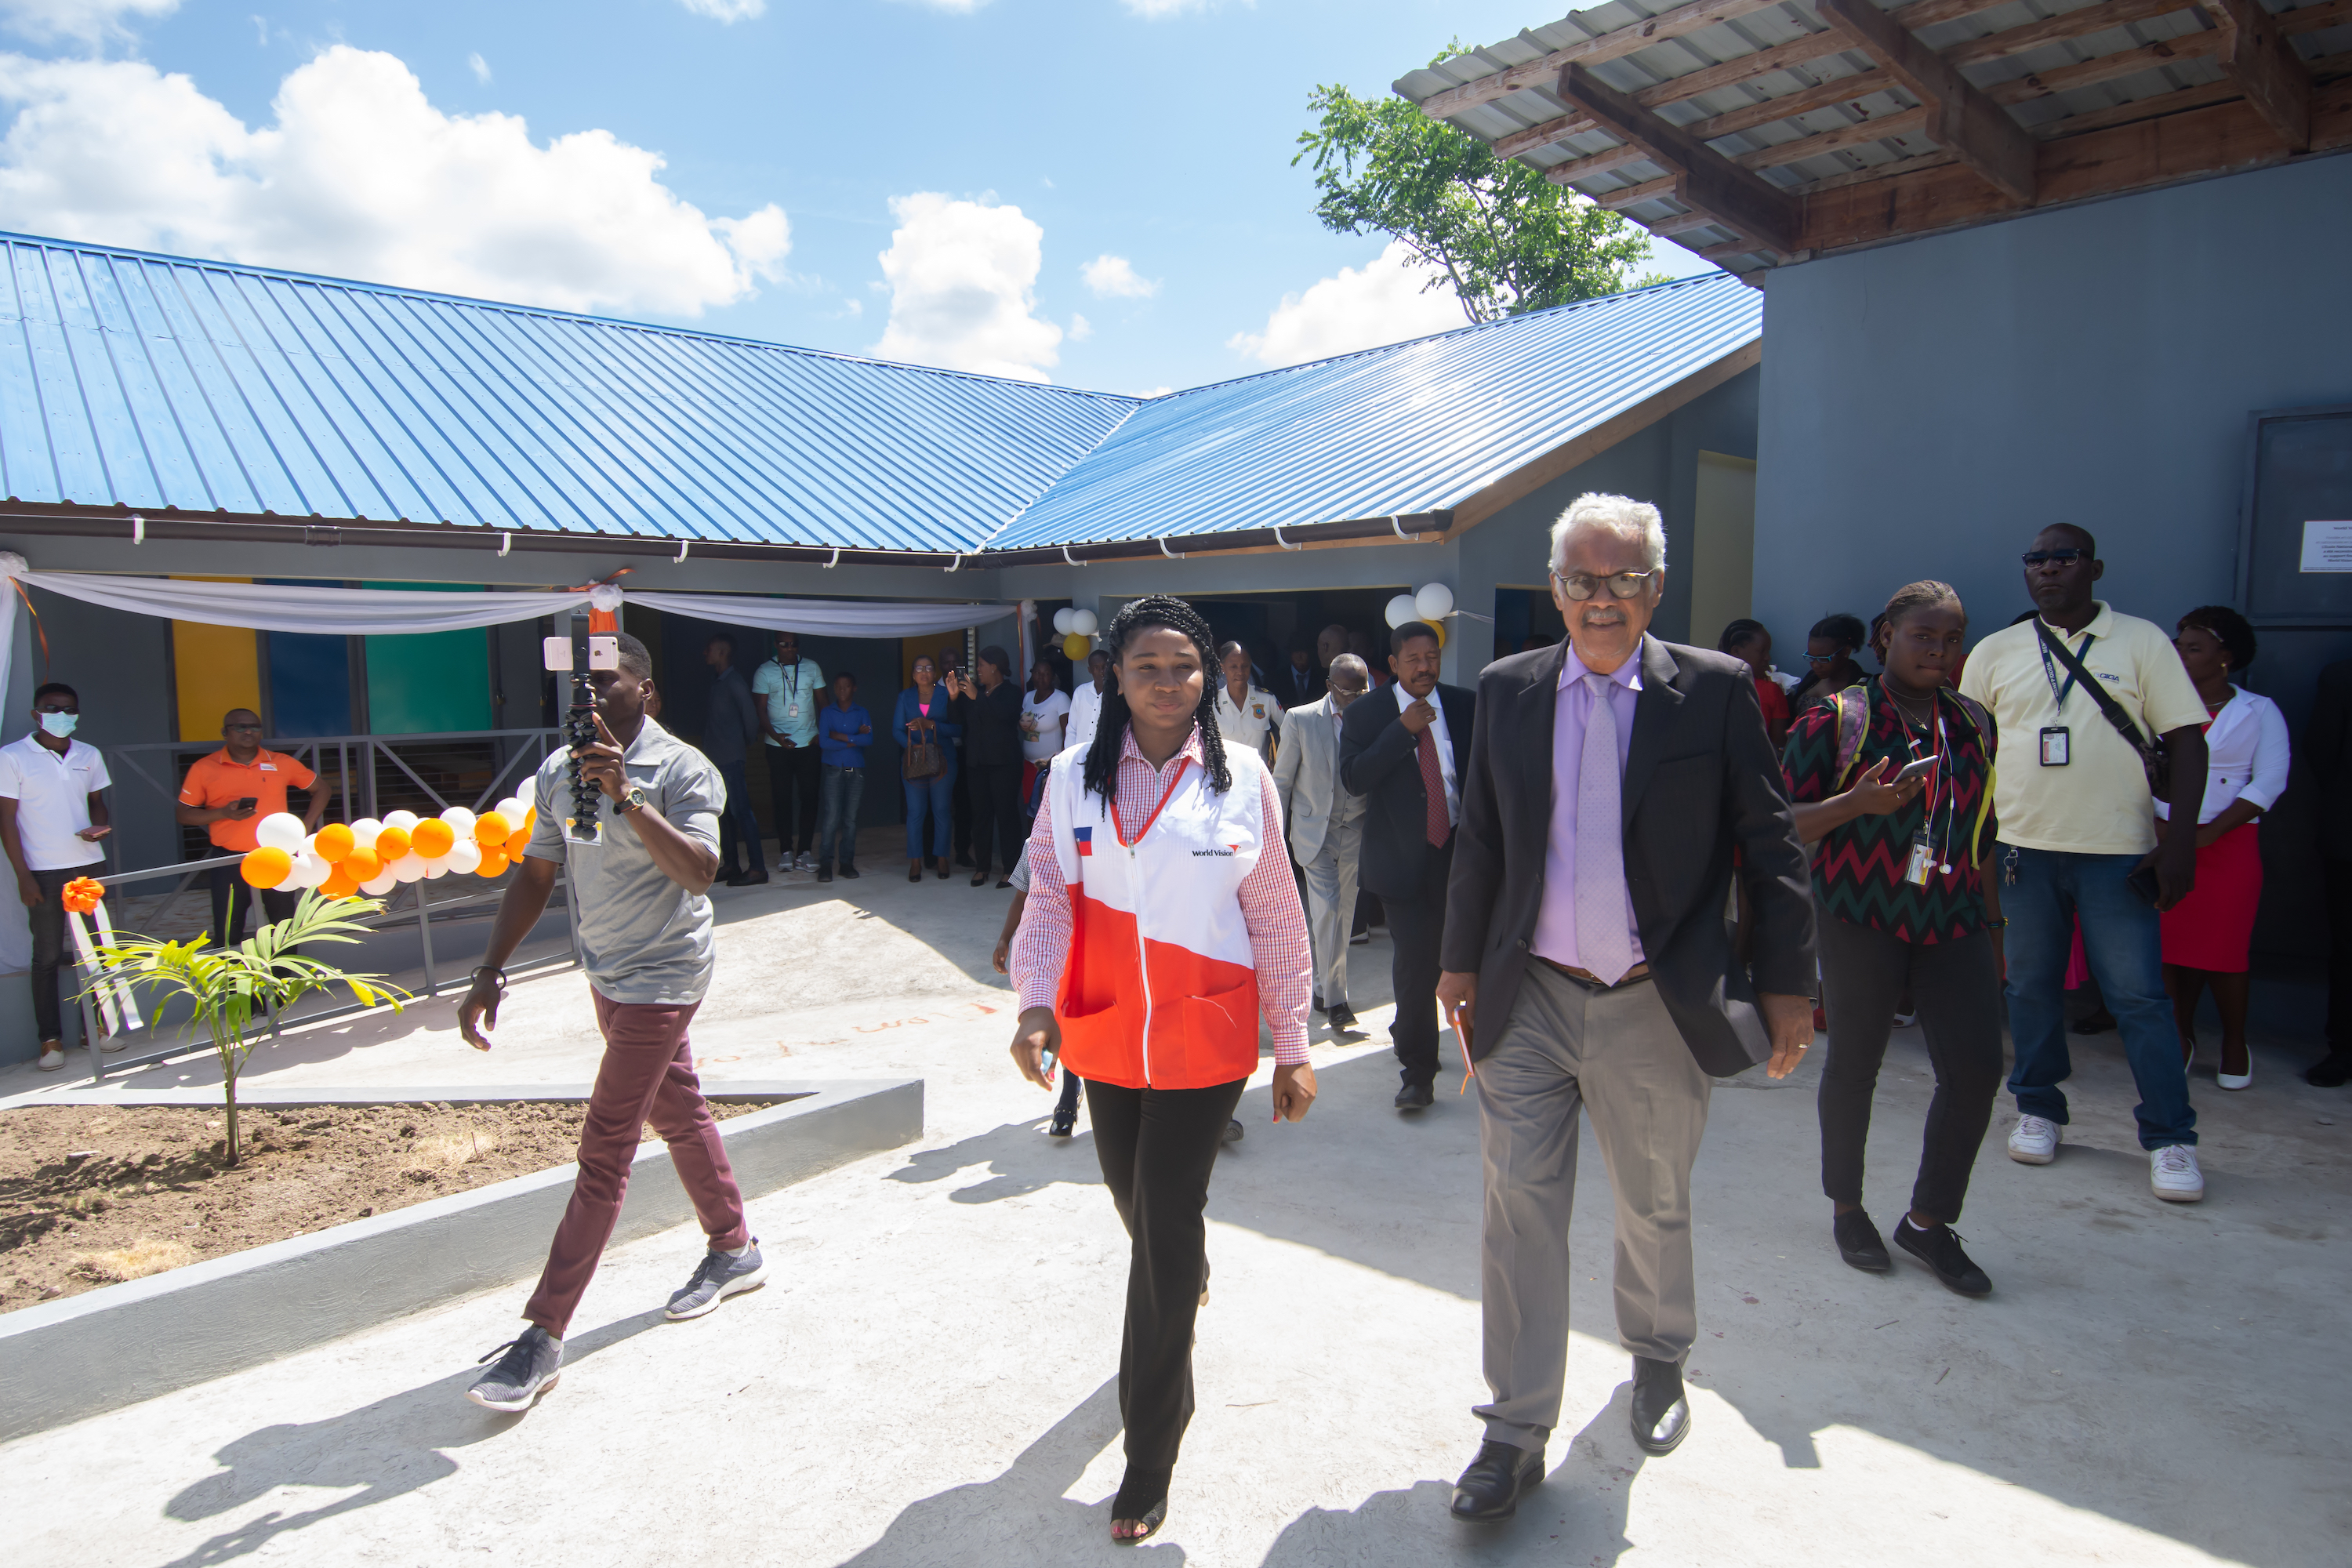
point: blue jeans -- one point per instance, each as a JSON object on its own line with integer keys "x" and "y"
{"x": 932, "y": 796}
{"x": 2120, "y": 939}
{"x": 839, "y": 790}
{"x": 736, "y": 821}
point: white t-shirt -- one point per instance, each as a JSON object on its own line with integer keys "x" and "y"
{"x": 1086, "y": 713}
{"x": 52, "y": 795}
{"x": 1247, "y": 723}
{"x": 1042, "y": 726}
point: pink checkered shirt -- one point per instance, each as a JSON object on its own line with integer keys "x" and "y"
{"x": 1269, "y": 899}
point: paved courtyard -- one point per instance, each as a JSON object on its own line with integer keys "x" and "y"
{"x": 929, "y": 1379}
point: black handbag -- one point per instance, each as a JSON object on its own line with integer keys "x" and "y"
{"x": 2153, "y": 755}
{"x": 922, "y": 758}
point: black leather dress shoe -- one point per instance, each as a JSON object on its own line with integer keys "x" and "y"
{"x": 1859, "y": 1243}
{"x": 1661, "y": 1414}
{"x": 1415, "y": 1097}
{"x": 1488, "y": 1492}
{"x": 1342, "y": 1017}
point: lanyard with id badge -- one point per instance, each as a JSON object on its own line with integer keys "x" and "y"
{"x": 1924, "y": 862}
{"x": 2056, "y": 742}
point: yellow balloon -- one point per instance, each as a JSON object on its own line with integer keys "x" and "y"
{"x": 1077, "y": 647}
{"x": 1439, "y": 627}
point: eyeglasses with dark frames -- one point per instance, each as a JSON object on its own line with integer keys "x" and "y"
{"x": 2062, "y": 557}
{"x": 1581, "y": 585}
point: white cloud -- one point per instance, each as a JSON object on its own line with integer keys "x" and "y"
{"x": 962, "y": 278}
{"x": 1362, "y": 307}
{"x": 727, "y": 10}
{"x": 1155, "y": 10}
{"x": 362, "y": 177}
{"x": 87, "y": 20}
{"x": 1080, "y": 328}
{"x": 960, "y": 7}
{"x": 1113, "y": 276}
{"x": 1155, "y": 392}
{"x": 480, "y": 67}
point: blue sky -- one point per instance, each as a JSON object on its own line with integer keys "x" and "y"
{"x": 1093, "y": 191}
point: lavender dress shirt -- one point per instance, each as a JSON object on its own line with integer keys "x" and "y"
{"x": 1555, "y": 935}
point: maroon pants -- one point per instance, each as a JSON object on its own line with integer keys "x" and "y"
{"x": 647, "y": 1074}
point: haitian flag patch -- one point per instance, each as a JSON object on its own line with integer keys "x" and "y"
{"x": 1085, "y": 837}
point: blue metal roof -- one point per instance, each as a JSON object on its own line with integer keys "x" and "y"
{"x": 155, "y": 381}
{"x": 1389, "y": 431}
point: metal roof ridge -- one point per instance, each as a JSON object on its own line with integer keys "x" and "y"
{"x": 1025, "y": 507}
{"x": 513, "y": 308}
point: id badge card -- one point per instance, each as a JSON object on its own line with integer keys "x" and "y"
{"x": 1922, "y": 864}
{"x": 2055, "y": 753}
{"x": 793, "y": 710}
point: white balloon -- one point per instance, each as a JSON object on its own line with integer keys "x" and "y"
{"x": 381, "y": 886}
{"x": 463, "y": 857}
{"x": 310, "y": 870}
{"x": 1401, "y": 609}
{"x": 278, "y": 830}
{"x": 436, "y": 870}
{"x": 511, "y": 809}
{"x": 458, "y": 818}
{"x": 364, "y": 830}
{"x": 528, "y": 792}
{"x": 290, "y": 885}
{"x": 1062, "y": 626}
{"x": 405, "y": 820}
{"x": 1434, "y": 603}
{"x": 1083, "y": 622}
{"x": 309, "y": 844}
{"x": 409, "y": 867}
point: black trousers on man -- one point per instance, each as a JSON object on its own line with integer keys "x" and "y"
{"x": 47, "y": 919}
{"x": 995, "y": 816}
{"x": 793, "y": 774}
{"x": 233, "y": 905}
{"x": 1417, "y": 929}
{"x": 1157, "y": 1147}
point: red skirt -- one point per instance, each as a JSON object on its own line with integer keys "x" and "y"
{"x": 2211, "y": 928}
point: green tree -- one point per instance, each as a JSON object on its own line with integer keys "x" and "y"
{"x": 1504, "y": 238}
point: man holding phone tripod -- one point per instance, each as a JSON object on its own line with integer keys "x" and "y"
{"x": 226, "y": 793}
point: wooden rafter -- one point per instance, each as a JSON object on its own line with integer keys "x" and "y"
{"x": 2106, "y": 67}
{"x": 1612, "y": 45}
{"x": 1973, "y": 125}
{"x": 1902, "y": 122}
{"x": 1607, "y": 162}
{"x": 1788, "y": 106}
{"x": 1626, "y": 195}
{"x": 2058, "y": 29}
{"x": 1708, "y": 182}
{"x": 1543, "y": 135}
{"x": 2258, "y": 58}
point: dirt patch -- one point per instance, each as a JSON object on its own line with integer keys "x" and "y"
{"x": 93, "y": 1194}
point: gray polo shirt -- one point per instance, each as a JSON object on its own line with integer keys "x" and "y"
{"x": 642, "y": 937}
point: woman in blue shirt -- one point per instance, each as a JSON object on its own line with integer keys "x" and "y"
{"x": 924, "y": 715}
{"x": 842, "y": 733}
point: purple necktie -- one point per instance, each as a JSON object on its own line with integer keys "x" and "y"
{"x": 1601, "y": 940}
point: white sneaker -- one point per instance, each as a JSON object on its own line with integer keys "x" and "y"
{"x": 52, "y": 1058}
{"x": 1905, "y": 1020}
{"x": 2034, "y": 1141}
{"x": 804, "y": 861}
{"x": 2173, "y": 1176}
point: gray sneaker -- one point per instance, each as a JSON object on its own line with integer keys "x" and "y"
{"x": 716, "y": 1278}
{"x": 528, "y": 1369}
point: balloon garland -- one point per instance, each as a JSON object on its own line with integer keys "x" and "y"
{"x": 373, "y": 857}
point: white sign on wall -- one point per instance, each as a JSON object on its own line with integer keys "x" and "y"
{"x": 2327, "y": 546}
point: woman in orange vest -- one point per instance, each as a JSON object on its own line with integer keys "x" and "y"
{"x": 1162, "y": 923}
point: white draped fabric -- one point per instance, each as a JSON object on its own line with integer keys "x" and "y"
{"x": 825, "y": 617}
{"x": 318, "y": 612}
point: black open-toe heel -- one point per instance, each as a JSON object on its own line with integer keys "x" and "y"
{"x": 1152, "y": 1518}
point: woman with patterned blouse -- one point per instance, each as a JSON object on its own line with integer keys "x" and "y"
{"x": 1900, "y": 880}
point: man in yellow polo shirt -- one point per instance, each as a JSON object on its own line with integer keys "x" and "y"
{"x": 228, "y": 793}
{"x": 2077, "y": 823}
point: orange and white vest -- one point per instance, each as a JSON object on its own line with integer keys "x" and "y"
{"x": 1160, "y": 987}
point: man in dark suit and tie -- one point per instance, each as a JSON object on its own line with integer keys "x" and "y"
{"x": 1302, "y": 681}
{"x": 1587, "y": 962}
{"x": 1404, "y": 749}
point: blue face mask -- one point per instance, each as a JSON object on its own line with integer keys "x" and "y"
{"x": 61, "y": 725}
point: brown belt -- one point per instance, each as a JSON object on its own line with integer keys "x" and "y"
{"x": 1591, "y": 981}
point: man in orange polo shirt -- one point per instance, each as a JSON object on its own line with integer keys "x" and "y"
{"x": 228, "y": 793}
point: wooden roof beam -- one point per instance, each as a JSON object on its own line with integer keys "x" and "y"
{"x": 1706, "y": 181}
{"x": 1971, "y": 124}
{"x": 2106, "y": 67}
{"x": 2258, "y": 58}
{"x": 1612, "y": 45}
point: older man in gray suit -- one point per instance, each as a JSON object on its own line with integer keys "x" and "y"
{"x": 1327, "y": 828}
{"x": 1612, "y": 781}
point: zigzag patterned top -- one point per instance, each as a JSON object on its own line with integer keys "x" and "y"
{"x": 1858, "y": 869}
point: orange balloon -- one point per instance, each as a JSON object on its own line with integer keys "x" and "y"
{"x": 432, "y": 839}
{"x": 529, "y": 817}
{"x": 392, "y": 844}
{"x": 493, "y": 828}
{"x": 363, "y": 865}
{"x": 335, "y": 841}
{"x": 494, "y": 861}
{"x": 338, "y": 885}
{"x": 515, "y": 845}
{"x": 266, "y": 866}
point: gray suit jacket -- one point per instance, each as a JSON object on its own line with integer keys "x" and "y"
{"x": 1307, "y": 777}
{"x": 1701, "y": 781}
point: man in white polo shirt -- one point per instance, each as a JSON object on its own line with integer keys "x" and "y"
{"x": 52, "y": 815}
{"x": 2077, "y": 829}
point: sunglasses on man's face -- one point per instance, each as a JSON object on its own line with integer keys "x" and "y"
{"x": 2062, "y": 557}
{"x": 1580, "y": 585}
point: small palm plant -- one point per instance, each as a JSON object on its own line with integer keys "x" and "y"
{"x": 229, "y": 986}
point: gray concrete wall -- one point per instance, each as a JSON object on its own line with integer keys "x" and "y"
{"x": 1929, "y": 405}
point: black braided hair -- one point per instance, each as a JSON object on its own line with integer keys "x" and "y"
{"x": 1110, "y": 731}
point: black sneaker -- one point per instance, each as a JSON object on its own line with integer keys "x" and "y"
{"x": 849, "y": 870}
{"x": 1343, "y": 1019}
{"x": 718, "y": 1276}
{"x": 1415, "y": 1097}
{"x": 824, "y": 873}
{"x": 528, "y": 1369}
{"x": 1233, "y": 1132}
{"x": 1938, "y": 1248}
{"x": 1859, "y": 1243}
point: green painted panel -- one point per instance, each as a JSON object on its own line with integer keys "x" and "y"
{"x": 428, "y": 683}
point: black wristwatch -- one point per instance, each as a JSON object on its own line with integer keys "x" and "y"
{"x": 633, "y": 801}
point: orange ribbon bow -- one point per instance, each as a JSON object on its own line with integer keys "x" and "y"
{"x": 82, "y": 894}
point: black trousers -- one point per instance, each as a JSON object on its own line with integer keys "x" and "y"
{"x": 1417, "y": 929}
{"x": 995, "y": 815}
{"x": 47, "y": 919}
{"x": 1157, "y": 1147}
{"x": 736, "y": 821}
{"x": 1956, "y": 985}
{"x": 793, "y": 780}
{"x": 233, "y": 905}
{"x": 2335, "y": 877}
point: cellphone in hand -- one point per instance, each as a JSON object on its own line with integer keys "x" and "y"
{"x": 1915, "y": 770}
{"x": 248, "y": 803}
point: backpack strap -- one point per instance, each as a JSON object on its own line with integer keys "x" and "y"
{"x": 1852, "y": 706}
{"x": 1983, "y": 723}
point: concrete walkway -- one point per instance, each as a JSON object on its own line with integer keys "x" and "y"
{"x": 931, "y": 1379}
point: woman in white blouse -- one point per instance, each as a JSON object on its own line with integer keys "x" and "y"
{"x": 2206, "y": 933}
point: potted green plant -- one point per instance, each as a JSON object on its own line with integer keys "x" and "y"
{"x": 230, "y": 987}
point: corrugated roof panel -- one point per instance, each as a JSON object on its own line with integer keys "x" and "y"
{"x": 1408, "y": 428}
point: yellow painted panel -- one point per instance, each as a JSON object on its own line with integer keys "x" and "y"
{"x": 218, "y": 668}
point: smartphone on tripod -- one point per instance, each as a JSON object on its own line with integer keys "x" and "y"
{"x": 579, "y": 656}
